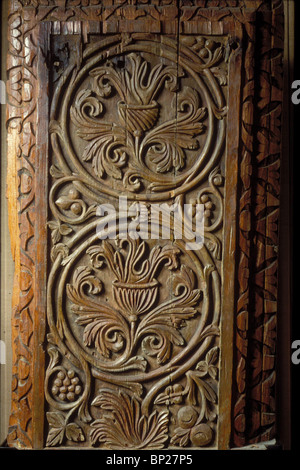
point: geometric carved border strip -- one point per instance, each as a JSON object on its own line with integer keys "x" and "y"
{"x": 253, "y": 389}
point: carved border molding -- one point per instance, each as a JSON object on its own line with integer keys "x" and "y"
{"x": 253, "y": 391}
{"x": 255, "y": 408}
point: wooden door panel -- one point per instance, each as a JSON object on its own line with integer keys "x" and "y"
{"x": 138, "y": 319}
{"x": 140, "y": 343}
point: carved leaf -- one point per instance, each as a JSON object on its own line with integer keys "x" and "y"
{"x": 107, "y": 157}
{"x": 106, "y": 139}
{"x": 207, "y": 367}
{"x": 55, "y": 437}
{"x": 125, "y": 427}
{"x": 160, "y": 327}
{"x": 74, "y": 433}
{"x": 102, "y": 331}
{"x": 59, "y": 429}
{"x": 220, "y": 74}
{"x": 198, "y": 386}
{"x": 56, "y": 433}
{"x": 65, "y": 229}
{"x": 181, "y": 437}
{"x": 54, "y": 355}
{"x": 57, "y": 230}
{"x": 166, "y": 155}
{"x": 159, "y": 342}
{"x": 56, "y": 172}
{"x": 105, "y": 328}
{"x": 56, "y": 419}
{"x": 166, "y": 142}
{"x": 58, "y": 249}
{"x": 216, "y": 56}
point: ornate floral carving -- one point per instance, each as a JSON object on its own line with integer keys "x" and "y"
{"x": 135, "y": 291}
{"x": 112, "y": 146}
{"x": 59, "y": 430}
{"x": 124, "y": 427}
{"x": 133, "y": 311}
{"x": 119, "y": 131}
{"x": 66, "y": 394}
{"x": 191, "y": 426}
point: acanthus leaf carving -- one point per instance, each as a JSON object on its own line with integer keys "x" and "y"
{"x": 135, "y": 291}
{"x": 167, "y": 142}
{"x": 114, "y": 146}
{"x": 124, "y": 426}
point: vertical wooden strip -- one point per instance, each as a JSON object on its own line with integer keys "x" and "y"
{"x": 284, "y": 323}
{"x": 21, "y": 156}
{"x": 244, "y": 242}
{"x": 41, "y": 191}
{"x": 229, "y": 251}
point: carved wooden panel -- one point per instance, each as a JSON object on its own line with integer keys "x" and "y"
{"x": 144, "y": 343}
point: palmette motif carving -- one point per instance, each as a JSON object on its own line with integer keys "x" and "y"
{"x": 125, "y": 427}
{"x": 135, "y": 292}
{"x": 144, "y": 146}
{"x": 111, "y": 145}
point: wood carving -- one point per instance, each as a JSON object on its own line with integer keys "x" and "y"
{"x": 257, "y": 301}
{"x": 141, "y": 100}
{"x": 133, "y": 316}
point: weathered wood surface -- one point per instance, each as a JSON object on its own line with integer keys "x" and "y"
{"x": 144, "y": 344}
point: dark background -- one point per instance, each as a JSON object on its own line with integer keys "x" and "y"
{"x": 295, "y": 326}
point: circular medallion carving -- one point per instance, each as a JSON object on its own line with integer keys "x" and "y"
{"x": 140, "y": 118}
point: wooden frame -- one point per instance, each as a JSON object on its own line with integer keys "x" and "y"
{"x": 246, "y": 407}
